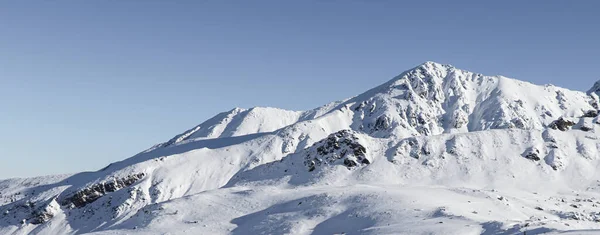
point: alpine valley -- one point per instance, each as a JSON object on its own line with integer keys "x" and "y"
{"x": 436, "y": 150}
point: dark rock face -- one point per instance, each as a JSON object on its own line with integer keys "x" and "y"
{"x": 93, "y": 192}
{"x": 532, "y": 154}
{"x": 561, "y": 124}
{"x": 591, "y": 114}
{"x": 517, "y": 123}
{"x": 41, "y": 216}
{"x": 383, "y": 123}
{"x": 340, "y": 147}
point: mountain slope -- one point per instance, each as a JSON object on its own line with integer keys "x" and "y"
{"x": 435, "y": 149}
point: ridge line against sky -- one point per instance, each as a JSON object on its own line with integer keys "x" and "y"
{"x": 84, "y": 84}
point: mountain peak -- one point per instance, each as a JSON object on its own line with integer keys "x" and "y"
{"x": 595, "y": 89}
{"x": 430, "y": 66}
{"x": 434, "y": 98}
{"x": 430, "y": 63}
{"x": 424, "y": 69}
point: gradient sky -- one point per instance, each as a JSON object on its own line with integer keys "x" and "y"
{"x": 86, "y": 83}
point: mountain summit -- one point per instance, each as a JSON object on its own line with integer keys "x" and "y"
{"x": 435, "y": 150}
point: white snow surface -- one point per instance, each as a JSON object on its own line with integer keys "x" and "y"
{"x": 436, "y": 150}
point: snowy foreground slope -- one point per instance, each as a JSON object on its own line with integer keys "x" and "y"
{"x": 436, "y": 150}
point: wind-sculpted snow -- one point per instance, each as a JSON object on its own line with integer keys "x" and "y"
{"x": 436, "y": 150}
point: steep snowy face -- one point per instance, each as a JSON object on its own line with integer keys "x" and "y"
{"x": 432, "y": 99}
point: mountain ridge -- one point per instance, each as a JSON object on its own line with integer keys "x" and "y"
{"x": 433, "y": 127}
{"x": 431, "y": 68}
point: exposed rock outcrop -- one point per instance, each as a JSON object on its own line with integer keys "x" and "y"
{"x": 44, "y": 214}
{"x": 561, "y": 124}
{"x": 340, "y": 147}
{"x": 532, "y": 154}
{"x": 591, "y": 114}
{"x": 92, "y": 193}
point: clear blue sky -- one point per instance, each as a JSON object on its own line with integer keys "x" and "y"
{"x": 86, "y": 83}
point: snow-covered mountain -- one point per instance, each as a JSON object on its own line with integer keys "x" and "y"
{"x": 436, "y": 150}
